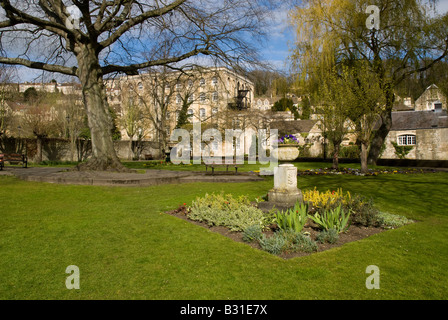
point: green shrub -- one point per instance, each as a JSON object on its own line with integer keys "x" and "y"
{"x": 287, "y": 241}
{"x": 392, "y": 220}
{"x": 350, "y": 152}
{"x": 336, "y": 219}
{"x": 252, "y": 233}
{"x": 328, "y": 236}
{"x": 363, "y": 211}
{"x": 293, "y": 219}
{"x": 274, "y": 244}
{"x": 298, "y": 242}
{"x": 224, "y": 210}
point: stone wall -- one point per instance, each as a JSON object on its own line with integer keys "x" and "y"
{"x": 431, "y": 144}
{"x": 59, "y": 149}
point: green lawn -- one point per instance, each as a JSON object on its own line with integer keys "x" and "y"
{"x": 126, "y": 248}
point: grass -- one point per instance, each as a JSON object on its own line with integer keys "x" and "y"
{"x": 161, "y": 165}
{"x": 126, "y": 248}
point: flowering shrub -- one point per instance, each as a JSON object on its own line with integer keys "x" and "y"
{"x": 288, "y": 139}
{"x": 327, "y": 198}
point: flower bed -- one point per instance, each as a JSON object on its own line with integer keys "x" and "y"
{"x": 357, "y": 172}
{"x": 324, "y": 221}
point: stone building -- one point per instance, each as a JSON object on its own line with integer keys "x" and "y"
{"x": 422, "y": 130}
{"x": 215, "y": 97}
{"x": 432, "y": 99}
{"x": 65, "y": 88}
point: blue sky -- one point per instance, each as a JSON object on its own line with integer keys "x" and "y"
{"x": 275, "y": 51}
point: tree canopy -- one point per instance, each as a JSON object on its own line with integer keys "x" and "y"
{"x": 411, "y": 38}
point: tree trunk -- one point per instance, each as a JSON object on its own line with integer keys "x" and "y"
{"x": 104, "y": 157}
{"x": 381, "y": 134}
{"x": 38, "y": 149}
{"x": 72, "y": 148}
{"x": 337, "y": 147}
{"x": 131, "y": 152}
{"x": 364, "y": 155}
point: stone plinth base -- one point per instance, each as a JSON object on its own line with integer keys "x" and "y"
{"x": 285, "y": 198}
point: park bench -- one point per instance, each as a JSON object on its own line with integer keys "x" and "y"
{"x": 227, "y": 165}
{"x": 13, "y": 158}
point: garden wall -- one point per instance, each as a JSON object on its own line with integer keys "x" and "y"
{"x": 59, "y": 149}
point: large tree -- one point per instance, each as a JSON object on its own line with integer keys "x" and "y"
{"x": 410, "y": 39}
{"x": 334, "y": 108}
{"x": 91, "y": 39}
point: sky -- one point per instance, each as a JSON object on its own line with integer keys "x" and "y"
{"x": 275, "y": 50}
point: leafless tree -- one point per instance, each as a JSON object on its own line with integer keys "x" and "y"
{"x": 6, "y": 92}
{"x": 92, "y": 39}
{"x": 39, "y": 121}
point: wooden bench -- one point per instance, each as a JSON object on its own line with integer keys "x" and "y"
{"x": 13, "y": 158}
{"x": 227, "y": 165}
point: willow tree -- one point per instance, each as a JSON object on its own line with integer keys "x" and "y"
{"x": 92, "y": 39}
{"x": 409, "y": 38}
{"x": 334, "y": 107}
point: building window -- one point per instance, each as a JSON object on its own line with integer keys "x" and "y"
{"x": 215, "y": 110}
{"x": 190, "y": 111}
{"x": 191, "y": 98}
{"x": 190, "y": 83}
{"x": 202, "y": 97}
{"x": 178, "y": 99}
{"x": 202, "y": 113}
{"x": 140, "y": 86}
{"x": 215, "y": 96}
{"x": 178, "y": 86}
{"x": 214, "y": 81}
{"x": 202, "y": 82}
{"x": 406, "y": 140}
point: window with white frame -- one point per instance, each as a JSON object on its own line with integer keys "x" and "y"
{"x": 406, "y": 140}
{"x": 215, "y": 96}
{"x": 202, "y": 113}
{"x": 191, "y": 97}
{"x": 202, "y": 97}
{"x": 190, "y": 111}
{"x": 178, "y": 99}
{"x": 215, "y": 110}
{"x": 215, "y": 81}
{"x": 202, "y": 82}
